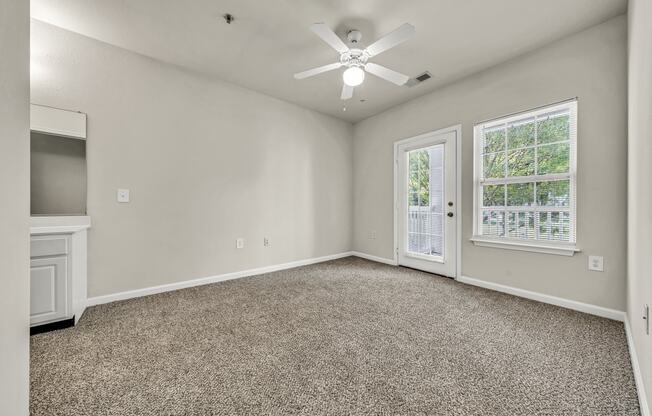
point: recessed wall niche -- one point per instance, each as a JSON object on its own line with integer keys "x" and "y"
{"x": 58, "y": 161}
{"x": 58, "y": 175}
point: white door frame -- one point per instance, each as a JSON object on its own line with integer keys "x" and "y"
{"x": 458, "y": 194}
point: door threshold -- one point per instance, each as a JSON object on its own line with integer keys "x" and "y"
{"x": 424, "y": 271}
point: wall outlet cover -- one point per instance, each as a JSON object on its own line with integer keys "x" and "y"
{"x": 123, "y": 195}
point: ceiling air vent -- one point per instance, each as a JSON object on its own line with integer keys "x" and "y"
{"x": 418, "y": 79}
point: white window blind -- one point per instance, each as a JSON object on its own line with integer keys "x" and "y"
{"x": 525, "y": 177}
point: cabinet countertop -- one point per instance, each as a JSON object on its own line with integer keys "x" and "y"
{"x": 59, "y": 225}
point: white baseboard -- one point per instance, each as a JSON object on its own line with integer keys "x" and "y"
{"x": 98, "y": 300}
{"x": 391, "y": 262}
{"x": 638, "y": 377}
{"x": 553, "y": 300}
{"x": 540, "y": 297}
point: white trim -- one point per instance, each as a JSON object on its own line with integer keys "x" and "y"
{"x": 56, "y": 121}
{"x": 638, "y": 377}
{"x": 553, "y": 300}
{"x": 79, "y": 264}
{"x": 458, "y": 191}
{"x": 98, "y": 300}
{"x": 58, "y": 225}
{"x": 560, "y": 250}
{"x": 518, "y": 114}
{"x": 391, "y": 262}
{"x": 68, "y": 229}
{"x": 458, "y": 201}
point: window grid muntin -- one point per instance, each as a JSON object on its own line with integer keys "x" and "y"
{"x": 537, "y": 117}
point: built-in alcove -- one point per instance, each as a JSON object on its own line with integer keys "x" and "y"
{"x": 58, "y": 162}
{"x": 58, "y": 175}
{"x": 59, "y": 222}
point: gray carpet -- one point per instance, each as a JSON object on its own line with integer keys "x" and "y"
{"x": 344, "y": 337}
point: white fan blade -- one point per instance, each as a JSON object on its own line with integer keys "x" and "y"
{"x": 386, "y": 73}
{"x": 347, "y": 92}
{"x": 400, "y": 35}
{"x": 318, "y": 70}
{"x": 328, "y": 36}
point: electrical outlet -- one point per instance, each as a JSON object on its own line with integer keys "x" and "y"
{"x": 266, "y": 242}
{"x": 123, "y": 195}
{"x": 372, "y": 235}
{"x": 239, "y": 243}
{"x": 646, "y": 317}
{"x": 596, "y": 263}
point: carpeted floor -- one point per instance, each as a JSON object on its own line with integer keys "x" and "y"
{"x": 344, "y": 337}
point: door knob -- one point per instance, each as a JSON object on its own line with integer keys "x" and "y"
{"x": 450, "y": 214}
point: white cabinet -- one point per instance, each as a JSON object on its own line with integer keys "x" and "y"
{"x": 56, "y": 121}
{"x": 50, "y": 278}
{"x": 48, "y": 289}
{"x": 58, "y": 268}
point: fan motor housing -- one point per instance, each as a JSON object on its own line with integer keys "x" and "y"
{"x": 354, "y": 57}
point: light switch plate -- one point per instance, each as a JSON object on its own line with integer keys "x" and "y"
{"x": 239, "y": 243}
{"x": 596, "y": 263}
{"x": 123, "y": 195}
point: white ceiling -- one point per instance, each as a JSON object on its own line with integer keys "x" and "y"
{"x": 270, "y": 39}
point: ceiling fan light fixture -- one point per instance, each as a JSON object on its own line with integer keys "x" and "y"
{"x": 353, "y": 76}
{"x": 356, "y": 60}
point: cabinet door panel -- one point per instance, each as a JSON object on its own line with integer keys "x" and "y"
{"x": 49, "y": 245}
{"x": 48, "y": 286}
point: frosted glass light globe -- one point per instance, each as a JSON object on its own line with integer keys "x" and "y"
{"x": 353, "y": 76}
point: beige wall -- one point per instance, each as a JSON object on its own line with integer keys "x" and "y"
{"x": 14, "y": 203}
{"x": 590, "y": 65}
{"x": 639, "y": 180}
{"x": 58, "y": 175}
{"x": 206, "y": 162}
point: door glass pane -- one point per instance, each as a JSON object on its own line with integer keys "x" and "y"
{"x": 426, "y": 201}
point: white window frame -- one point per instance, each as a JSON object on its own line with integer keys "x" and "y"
{"x": 539, "y": 246}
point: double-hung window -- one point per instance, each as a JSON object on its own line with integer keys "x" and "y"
{"x": 525, "y": 180}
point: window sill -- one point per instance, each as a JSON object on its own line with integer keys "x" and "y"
{"x": 558, "y": 249}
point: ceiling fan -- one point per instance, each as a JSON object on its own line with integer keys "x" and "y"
{"x": 356, "y": 60}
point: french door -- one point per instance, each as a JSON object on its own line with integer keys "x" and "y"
{"x": 426, "y": 203}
